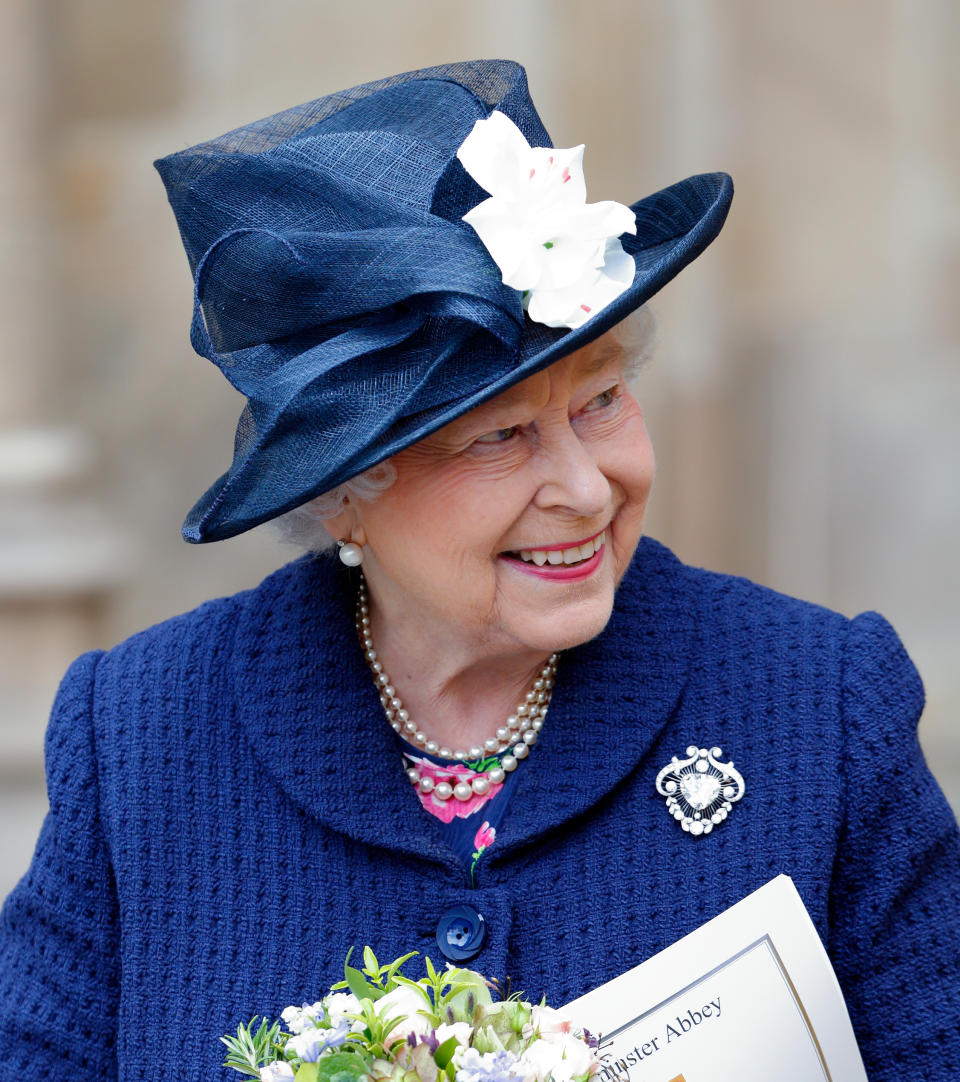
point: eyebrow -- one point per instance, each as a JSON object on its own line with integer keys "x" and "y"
{"x": 602, "y": 358}
{"x": 598, "y": 361}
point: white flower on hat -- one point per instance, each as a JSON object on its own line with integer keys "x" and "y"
{"x": 548, "y": 241}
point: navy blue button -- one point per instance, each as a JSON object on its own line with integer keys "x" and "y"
{"x": 460, "y": 933}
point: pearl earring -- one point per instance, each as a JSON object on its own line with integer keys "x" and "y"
{"x": 351, "y": 554}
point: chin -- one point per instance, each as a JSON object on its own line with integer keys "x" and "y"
{"x": 582, "y": 622}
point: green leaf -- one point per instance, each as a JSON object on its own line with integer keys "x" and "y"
{"x": 252, "y": 1047}
{"x": 388, "y": 1025}
{"x": 307, "y": 1072}
{"x": 391, "y": 970}
{"x": 414, "y": 986}
{"x": 444, "y": 1053}
{"x": 359, "y": 984}
{"x": 371, "y": 966}
{"x": 340, "y": 1067}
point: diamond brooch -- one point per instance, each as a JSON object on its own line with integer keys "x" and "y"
{"x": 700, "y": 790}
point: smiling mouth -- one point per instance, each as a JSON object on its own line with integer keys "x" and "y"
{"x": 557, "y": 556}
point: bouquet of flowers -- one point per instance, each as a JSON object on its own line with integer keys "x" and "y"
{"x": 379, "y": 1026}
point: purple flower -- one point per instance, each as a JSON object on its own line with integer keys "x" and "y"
{"x": 501, "y": 1066}
{"x": 430, "y": 1041}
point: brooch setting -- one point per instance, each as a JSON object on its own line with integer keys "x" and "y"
{"x": 700, "y": 790}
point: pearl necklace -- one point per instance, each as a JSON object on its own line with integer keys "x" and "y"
{"x": 520, "y": 730}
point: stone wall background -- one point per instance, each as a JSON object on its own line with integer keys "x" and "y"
{"x": 805, "y": 395}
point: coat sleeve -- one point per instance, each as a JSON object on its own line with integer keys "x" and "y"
{"x": 895, "y": 894}
{"x": 59, "y": 969}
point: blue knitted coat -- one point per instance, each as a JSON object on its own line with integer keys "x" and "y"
{"x": 228, "y": 815}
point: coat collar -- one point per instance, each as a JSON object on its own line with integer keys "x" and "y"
{"x": 315, "y": 723}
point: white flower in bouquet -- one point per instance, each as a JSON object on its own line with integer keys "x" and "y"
{"x": 405, "y": 1003}
{"x": 547, "y": 1022}
{"x": 561, "y": 252}
{"x": 310, "y": 1044}
{"x": 387, "y": 1028}
{"x": 563, "y": 1058}
{"x": 278, "y": 1071}
{"x": 297, "y": 1019}
{"x": 340, "y": 1004}
{"x": 460, "y": 1031}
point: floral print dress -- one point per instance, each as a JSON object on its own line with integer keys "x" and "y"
{"x": 470, "y": 825}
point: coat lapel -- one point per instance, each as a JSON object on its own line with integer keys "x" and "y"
{"x": 308, "y": 704}
{"x": 309, "y": 707}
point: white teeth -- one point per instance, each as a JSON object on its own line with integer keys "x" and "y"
{"x": 571, "y": 555}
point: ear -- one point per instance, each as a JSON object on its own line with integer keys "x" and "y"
{"x": 345, "y": 525}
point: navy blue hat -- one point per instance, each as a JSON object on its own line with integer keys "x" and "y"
{"x": 337, "y": 287}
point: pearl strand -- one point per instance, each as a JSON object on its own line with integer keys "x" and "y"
{"x": 522, "y": 727}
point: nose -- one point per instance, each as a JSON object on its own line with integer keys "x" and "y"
{"x": 571, "y": 476}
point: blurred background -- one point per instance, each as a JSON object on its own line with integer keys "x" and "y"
{"x": 804, "y": 398}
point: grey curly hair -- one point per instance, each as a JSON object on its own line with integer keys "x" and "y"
{"x": 635, "y": 336}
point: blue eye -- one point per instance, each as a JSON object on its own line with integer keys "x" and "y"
{"x": 500, "y": 435}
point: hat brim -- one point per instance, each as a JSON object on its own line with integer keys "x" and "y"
{"x": 673, "y": 227}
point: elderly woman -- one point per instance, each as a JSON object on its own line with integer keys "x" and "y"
{"x": 425, "y": 315}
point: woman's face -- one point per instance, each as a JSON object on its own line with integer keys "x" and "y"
{"x": 470, "y": 539}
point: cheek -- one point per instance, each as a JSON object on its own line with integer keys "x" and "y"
{"x": 632, "y": 474}
{"x": 456, "y": 518}
{"x": 642, "y": 469}
{"x": 631, "y": 465}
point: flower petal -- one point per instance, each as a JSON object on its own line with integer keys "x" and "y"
{"x": 568, "y": 260}
{"x": 506, "y": 237}
{"x": 496, "y": 155}
{"x": 618, "y": 266}
{"x": 278, "y": 1071}
{"x": 547, "y": 241}
{"x": 603, "y": 219}
{"x": 573, "y": 305}
{"x": 556, "y": 175}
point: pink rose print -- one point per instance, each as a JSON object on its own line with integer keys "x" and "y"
{"x": 448, "y": 810}
{"x": 486, "y": 835}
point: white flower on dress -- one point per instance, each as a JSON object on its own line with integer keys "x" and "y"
{"x": 559, "y": 250}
